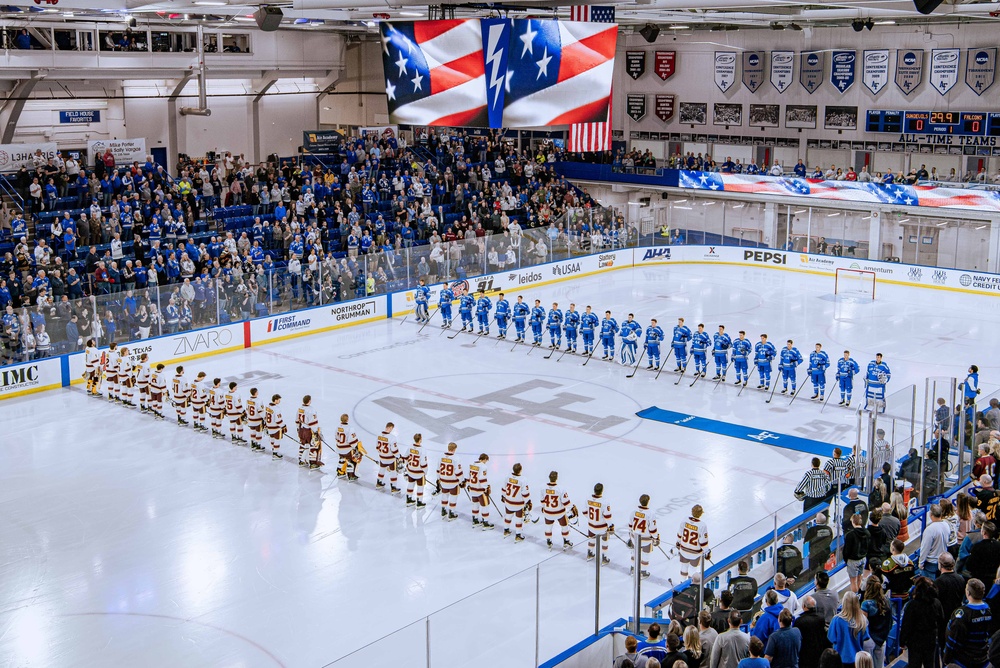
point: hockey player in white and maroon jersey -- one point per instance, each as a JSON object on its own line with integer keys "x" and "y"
{"x": 216, "y": 406}
{"x": 179, "y": 395}
{"x": 110, "y": 364}
{"x": 157, "y": 388}
{"x": 388, "y": 454}
{"x": 449, "y": 475}
{"x": 692, "y": 541}
{"x": 346, "y": 442}
{"x": 126, "y": 379}
{"x": 599, "y": 523}
{"x": 643, "y": 526}
{"x": 234, "y": 411}
{"x": 255, "y": 419}
{"x": 199, "y": 401}
{"x": 275, "y": 424}
{"x": 516, "y": 500}
{"x": 479, "y": 490}
{"x": 416, "y": 472}
{"x": 142, "y": 374}
{"x": 557, "y": 508}
{"x": 92, "y": 372}
{"x": 307, "y": 423}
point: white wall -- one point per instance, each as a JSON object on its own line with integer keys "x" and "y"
{"x": 360, "y": 94}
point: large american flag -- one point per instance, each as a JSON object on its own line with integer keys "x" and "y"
{"x": 435, "y": 73}
{"x": 585, "y": 137}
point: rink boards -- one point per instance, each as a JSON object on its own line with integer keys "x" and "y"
{"x": 52, "y": 373}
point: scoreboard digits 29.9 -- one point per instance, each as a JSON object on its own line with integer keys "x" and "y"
{"x": 961, "y": 123}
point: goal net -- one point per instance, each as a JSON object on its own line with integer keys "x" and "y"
{"x": 855, "y": 283}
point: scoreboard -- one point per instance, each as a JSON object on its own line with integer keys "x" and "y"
{"x": 960, "y": 123}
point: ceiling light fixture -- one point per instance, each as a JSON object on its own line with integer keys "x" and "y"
{"x": 415, "y": 15}
{"x": 857, "y": 25}
{"x": 869, "y": 23}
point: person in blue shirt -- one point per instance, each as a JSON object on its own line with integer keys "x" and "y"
{"x": 521, "y": 311}
{"x": 721, "y": 343}
{"x": 819, "y": 362}
{"x": 847, "y": 368}
{"x": 555, "y": 326}
{"x": 764, "y": 353}
{"x": 800, "y": 170}
{"x": 465, "y": 305}
{"x": 848, "y": 629}
{"x": 700, "y": 343}
{"x": 876, "y": 378}
{"x": 502, "y": 315}
{"x": 756, "y": 658}
{"x": 682, "y": 334}
{"x": 654, "y": 337}
{"x": 767, "y": 622}
{"x": 971, "y": 384}
{"x": 630, "y": 332}
{"x": 445, "y": 298}
{"x": 790, "y": 358}
{"x": 609, "y": 327}
{"x": 483, "y": 307}
{"x": 421, "y": 297}
{"x": 588, "y": 324}
{"x": 537, "y": 320}
{"x": 572, "y": 322}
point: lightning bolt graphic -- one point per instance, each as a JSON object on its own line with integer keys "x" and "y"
{"x": 493, "y": 55}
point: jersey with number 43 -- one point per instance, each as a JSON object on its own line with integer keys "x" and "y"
{"x": 692, "y": 537}
{"x": 555, "y": 503}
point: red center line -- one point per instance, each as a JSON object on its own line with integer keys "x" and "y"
{"x": 628, "y": 441}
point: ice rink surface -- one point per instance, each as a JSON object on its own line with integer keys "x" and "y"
{"x": 125, "y": 541}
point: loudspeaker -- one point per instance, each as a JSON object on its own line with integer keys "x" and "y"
{"x": 926, "y": 6}
{"x": 649, "y": 32}
{"x": 664, "y": 195}
{"x": 268, "y": 18}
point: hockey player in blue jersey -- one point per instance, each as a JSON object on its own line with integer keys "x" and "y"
{"x": 630, "y": 333}
{"x": 819, "y": 362}
{"x": 521, "y": 311}
{"x": 445, "y": 299}
{"x": 847, "y": 368}
{"x": 741, "y": 356}
{"x": 699, "y": 350}
{"x": 483, "y": 307}
{"x": 721, "y": 343}
{"x": 421, "y": 296}
{"x": 681, "y": 336}
{"x": 609, "y": 327}
{"x": 876, "y": 377}
{"x": 654, "y": 337}
{"x": 465, "y": 305}
{"x": 502, "y": 315}
{"x": 537, "y": 320}
{"x": 790, "y": 358}
{"x": 588, "y": 324}
{"x": 572, "y": 321}
{"x": 764, "y": 352}
{"x": 554, "y": 323}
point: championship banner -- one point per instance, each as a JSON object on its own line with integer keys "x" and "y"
{"x": 663, "y": 63}
{"x": 664, "y": 107}
{"x": 725, "y": 69}
{"x": 944, "y": 69}
{"x": 782, "y": 69}
{"x": 876, "y": 70}
{"x": 635, "y": 106}
{"x": 811, "y": 70}
{"x": 842, "y": 70}
{"x": 635, "y": 63}
{"x": 753, "y": 70}
{"x": 980, "y": 69}
{"x": 909, "y": 70}
{"x": 126, "y": 151}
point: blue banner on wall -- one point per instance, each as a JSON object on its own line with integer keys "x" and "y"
{"x": 842, "y": 70}
{"x": 80, "y": 116}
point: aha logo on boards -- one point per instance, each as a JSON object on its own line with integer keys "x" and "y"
{"x": 766, "y": 257}
{"x": 656, "y": 254}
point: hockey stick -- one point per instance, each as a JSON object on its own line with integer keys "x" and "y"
{"x": 828, "y": 397}
{"x": 588, "y": 357}
{"x": 773, "y": 388}
{"x": 725, "y": 372}
{"x": 415, "y": 307}
{"x": 480, "y": 335}
{"x": 565, "y": 351}
{"x": 669, "y": 556}
{"x": 663, "y": 364}
{"x": 517, "y": 342}
{"x": 638, "y": 362}
{"x": 428, "y": 320}
{"x": 457, "y": 332}
{"x": 699, "y": 374}
{"x": 796, "y": 393}
{"x": 747, "y": 380}
{"x": 684, "y": 368}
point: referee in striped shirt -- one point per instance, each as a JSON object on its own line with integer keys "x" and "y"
{"x": 838, "y": 469}
{"x": 814, "y": 487}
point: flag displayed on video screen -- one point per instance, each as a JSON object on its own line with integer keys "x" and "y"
{"x": 587, "y": 137}
{"x": 434, "y": 72}
{"x": 559, "y": 72}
